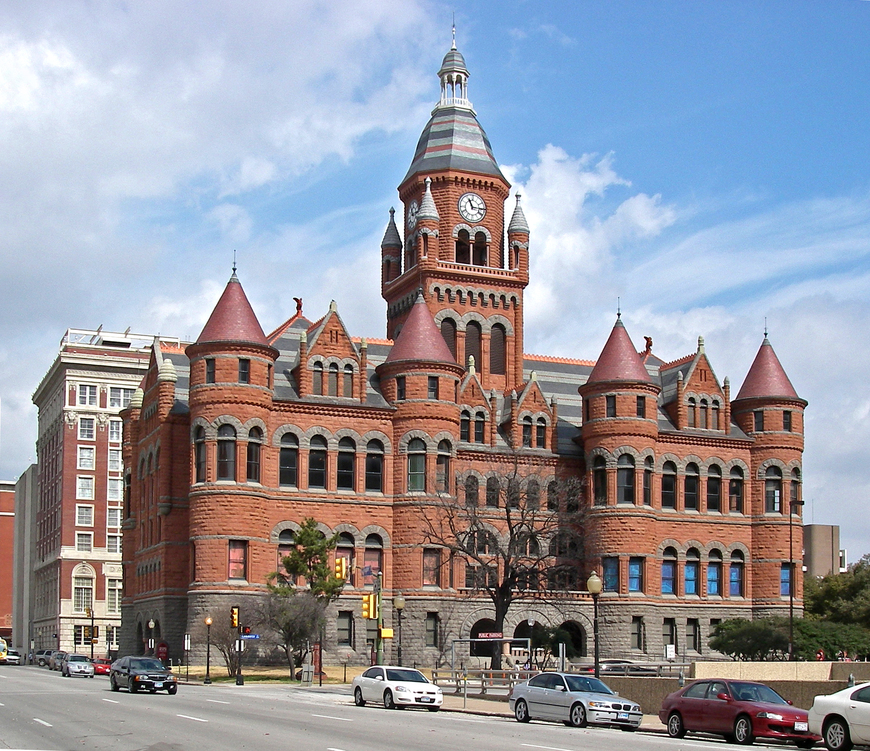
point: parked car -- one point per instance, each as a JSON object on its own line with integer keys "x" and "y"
{"x": 56, "y": 660}
{"x": 739, "y": 710}
{"x": 576, "y": 700}
{"x": 146, "y": 673}
{"x": 13, "y": 657}
{"x": 102, "y": 666}
{"x": 77, "y": 665}
{"x": 396, "y": 688}
{"x": 842, "y": 718}
{"x": 621, "y": 667}
{"x": 41, "y": 657}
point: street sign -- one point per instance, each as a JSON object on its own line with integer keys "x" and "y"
{"x": 249, "y": 636}
{"x": 491, "y": 635}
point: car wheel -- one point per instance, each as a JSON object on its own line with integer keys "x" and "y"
{"x": 806, "y": 744}
{"x": 433, "y": 709}
{"x": 132, "y": 687}
{"x": 675, "y": 725}
{"x": 114, "y": 686}
{"x": 358, "y": 697}
{"x": 836, "y": 735}
{"x": 743, "y": 731}
{"x": 521, "y": 711}
{"x": 388, "y": 700}
{"x": 577, "y": 716}
{"x": 173, "y": 689}
{"x": 627, "y": 728}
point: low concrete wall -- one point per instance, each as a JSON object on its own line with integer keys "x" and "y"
{"x": 649, "y": 692}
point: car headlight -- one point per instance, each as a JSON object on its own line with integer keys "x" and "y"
{"x": 599, "y": 705}
{"x": 769, "y": 716}
{"x": 402, "y": 689}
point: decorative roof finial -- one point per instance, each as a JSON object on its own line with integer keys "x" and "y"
{"x": 234, "y": 261}
{"x": 454, "y": 31}
{"x": 765, "y": 327}
{"x": 618, "y": 309}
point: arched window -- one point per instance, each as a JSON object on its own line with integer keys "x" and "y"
{"x": 347, "y": 382}
{"x": 317, "y": 462}
{"x": 463, "y": 247}
{"x": 527, "y": 431}
{"x": 773, "y": 490}
{"x": 647, "y": 481}
{"x": 714, "y": 488}
{"x": 533, "y": 495}
{"x": 669, "y": 485}
{"x": 690, "y": 413}
{"x": 472, "y": 489}
{"x": 442, "y": 467}
{"x": 317, "y": 379}
{"x": 735, "y": 576}
{"x": 373, "y": 558}
{"x": 288, "y": 461}
{"x": 498, "y": 350}
{"x": 552, "y": 496}
{"x": 714, "y": 574}
{"x": 448, "y": 331}
{"x": 480, "y": 428}
{"x": 344, "y": 550}
{"x": 735, "y": 491}
{"x": 492, "y": 492}
{"x": 541, "y": 433}
{"x": 513, "y": 493}
{"x": 199, "y": 454}
{"x": 472, "y": 343}
{"x": 226, "y": 450}
{"x": 333, "y": 379}
{"x": 795, "y": 492}
{"x": 625, "y": 479}
{"x": 416, "y": 465}
{"x": 714, "y": 422}
{"x": 693, "y": 572}
{"x": 599, "y": 481}
{"x": 255, "y": 441}
{"x": 479, "y": 258}
{"x": 669, "y": 571}
{"x": 465, "y": 425}
{"x": 690, "y": 487}
{"x": 286, "y": 544}
{"x": 704, "y": 414}
{"x": 375, "y": 466}
{"x": 345, "y": 475}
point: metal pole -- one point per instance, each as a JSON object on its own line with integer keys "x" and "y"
{"x": 399, "y": 650}
{"x": 207, "y": 651}
{"x": 379, "y": 642}
{"x": 790, "y": 583}
{"x": 595, "y": 632}
{"x": 92, "y": 634}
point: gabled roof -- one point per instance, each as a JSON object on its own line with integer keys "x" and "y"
{"x": 619, "y": 360}
{"x": 420, "y": 338}
{"x": 233, "y": 318}
{"x": 766, "y": 377}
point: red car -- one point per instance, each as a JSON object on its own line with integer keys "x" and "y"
{"x": 739, "y": 710}
{"x": 101, "y": 666}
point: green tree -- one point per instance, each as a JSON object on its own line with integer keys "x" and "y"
{"x": 545, "y": 643}
{"x": 741, "y": 639}
{"x": 842, "y": 597}
{"x": 832, "y": 638}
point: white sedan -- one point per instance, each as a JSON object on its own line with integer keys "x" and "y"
{"x": 396, "y": 688}
{"x": 842, "y": 718}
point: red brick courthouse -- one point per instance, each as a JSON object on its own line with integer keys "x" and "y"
{"x": 233, "y": 441}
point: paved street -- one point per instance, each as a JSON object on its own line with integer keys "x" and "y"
{"x": 41, "y": 711}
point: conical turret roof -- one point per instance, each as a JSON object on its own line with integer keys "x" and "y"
{"x": 619, "y": 360}
{"x": 392, "y": 239}
{"x": 233, "y": 318}
{"x": 766, "y": 377}
{"x": 428, "y": 210}
{"x": 518, "y": 221}
{"x": 420, "y": 338}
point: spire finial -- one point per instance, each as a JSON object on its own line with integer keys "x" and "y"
{"x": 765, "y": 327}
{"x": 234, "y": 261}
{"x": 454, "y": 31}
{"x": 618, "y": 309}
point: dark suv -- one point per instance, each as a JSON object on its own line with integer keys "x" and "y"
{"x": 146, "y": 673}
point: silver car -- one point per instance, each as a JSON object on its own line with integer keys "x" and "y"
{"x": 77, "y": 665}
{"x": 576, "y": 700}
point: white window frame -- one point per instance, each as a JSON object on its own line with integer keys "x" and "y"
{"x": 119, "y": 397}
{"x": 113, "y": 543}
{"x": 84, "y": 542}
{"x": 87, "y": 395}
{"x": 89, "y": 434}
{"x": 84, "y": 515}
{"x": 115, "y": 427}
{"x": 115, "y": 489}
{"x": 86, "y": 457}
{"x": 113, "y": 517}
{"x": 85, "y": 488}
{"x": 114, "y": 593}
{"x": 83, "y": 593}
{"x": 116, "y": 460}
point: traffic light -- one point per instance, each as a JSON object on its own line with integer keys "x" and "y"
{"x": 370, "y": 606}
{"x": 246, "y": 629}
{"x": 234, "y": 616}
{"x": 341, "y": 568}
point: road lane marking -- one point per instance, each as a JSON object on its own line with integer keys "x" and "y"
{"x": 188, "y": 717}
{"x": 548, "y": 748}
{"x": 330, "y": 717}
{"x": 217, "y": 701}
{"x": 43, "y": 722}
{"x": 334, "y": 749}
{"x": 112, "y": 701}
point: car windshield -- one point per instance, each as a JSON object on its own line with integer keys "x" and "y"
{"x": 756, "y": 692}
{"x": 77, "y": 658}
{"x": 591, "y": 685}
{"x": 412, "y": 676}
{"x": 146, "y": 664}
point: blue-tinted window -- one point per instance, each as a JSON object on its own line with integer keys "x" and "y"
{"x": 611, "y": 574}
{"x": 635, "y": 574}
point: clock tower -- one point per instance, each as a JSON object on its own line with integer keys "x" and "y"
{"x": 455, "y": 250}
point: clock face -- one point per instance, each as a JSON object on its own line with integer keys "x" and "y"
{"x": 412, "y": 214}
{"x": 472, "y": 207}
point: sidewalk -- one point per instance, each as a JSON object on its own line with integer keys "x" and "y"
{"x": 498, "y": 707}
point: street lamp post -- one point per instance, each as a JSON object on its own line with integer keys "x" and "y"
{"x": 594, "y": 586}
{"x": 399, "y": 605}
{"x": 207, "y": 650}
{"x": 795, "y": 504}
{"x": 151, "y": 625}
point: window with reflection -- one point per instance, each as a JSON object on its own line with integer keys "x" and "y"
{"x": 442, "y": 467}
{"x": 735, "y": 491}
{"x": 599, "y": 481}
{"x": 690, "y": 487}
{"x": 714, "y": 488}
{"x": 735, "y": 574}
{"x": 625, "y": 479}
{"x": 226, "y": 453}
{"x": 669, "y": 571}
{"x": 714, "y": 573}
{"x": 416, "y": 465}
{"x": 317, "y": 462}
{"x": 255, "y": 443}
{"x": 288, "y": 461}
{"x": 375, "y": 466}
{"x": 773, "y": 490}
{"x": 692, "y": 572}
{"x": 345, "y": 475}
{"x": 669, "y": 485}
{"x": 199, "y": 453}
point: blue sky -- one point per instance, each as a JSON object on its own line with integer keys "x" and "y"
{"x": 704, "y": 162}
